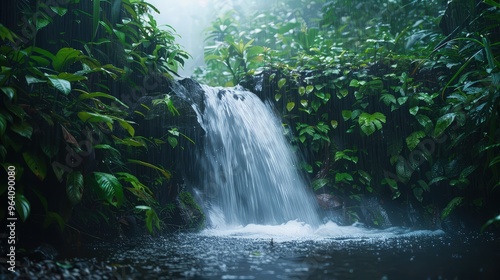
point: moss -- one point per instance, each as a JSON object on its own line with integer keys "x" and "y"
{"x": 193, "y": 215}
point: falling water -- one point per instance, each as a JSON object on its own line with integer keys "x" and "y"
{"x": 250, "y": 173}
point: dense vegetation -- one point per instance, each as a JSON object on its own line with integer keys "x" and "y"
{"x": 71, "y": 72}
{"x": 397, "y": 100}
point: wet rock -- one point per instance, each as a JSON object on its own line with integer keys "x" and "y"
{"x": 373, "y": 213}
{"x": 190, "y": 212}
{"x": 328, "y": 201}
{"x": 60, "y": 269}
{"x": 44, "y": 252}
{"x": 129, "y": 226}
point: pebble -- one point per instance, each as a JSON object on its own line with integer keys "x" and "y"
{"x": 51, "y": 269}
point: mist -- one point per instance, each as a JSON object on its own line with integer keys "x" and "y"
{"x": 191, "y": 19}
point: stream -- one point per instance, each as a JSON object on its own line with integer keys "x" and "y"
{"x": 329, "y": 252}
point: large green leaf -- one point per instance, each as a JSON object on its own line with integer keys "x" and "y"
{"x": 10, "y": 92}
{"x": 23, "y": 206}
{"x": 281, "y": 82}
{"x": 388, "y": 99}
{"x": 319, "y": 183}
{"x": 94, "y": 117}
{"x": 3, "y": 125}
{"x": 490, "y": 222}
{"x": 424, "y": 121}
{"x": 172, "y": 141}
{"x": 65, "y": 57}
{"x": 37, "y": 164}
{"x": 109, "y": 148}
{"x": 126, "y": 125}
{"x": 71, "y": 77}
{"x": 343, "y": 177}
{"x": 164, "y": 172}
{"x": 74, "y": 187}
{"x": 61, "y": 85}
{"x": 451, "y": 205}
{"x": 152, "y": 219}
{"x": 110, "y": 188}
{"x": 369, "y": 123}
{"x": 346, "y": 114}
{"x": 443, "y": 123}
{"x": 86, "y": 95}
{"x": 309, "y": 89}
{"x": 414, "y": 139}
{"x": 22, "y": 128}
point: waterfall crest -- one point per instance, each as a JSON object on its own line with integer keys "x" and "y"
{"x": 249, "y": 173}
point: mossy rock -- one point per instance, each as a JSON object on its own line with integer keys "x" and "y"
{"x": 190, "y": 211}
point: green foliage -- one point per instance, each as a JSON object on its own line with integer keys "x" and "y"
{"x": 74, "y": 187}
{"x": 63, "y": 115}
{"x": 451, "y": 205}
{"x": 376, "y": 95}
{"x": 369, "y": 123}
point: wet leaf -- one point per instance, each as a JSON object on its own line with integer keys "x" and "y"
{"x": 414, "y": 110}
{"x": 319, "y": 183}
{"x": 402, "y": 100}
{"x": 290, "y": 106}
{"x": 343, "y": 177}
{"x": 74, "y": 187}
{"x": 110, "y": 188}
{"x": 455, "y": 202}
{"x": 163, "y": 171}
{"x": 172, "y": 141}
{"x": 281, "y": 83}
{"x": 388, "y": 99}
{"x": 109, "y": 148}
{"x": 23, "y": 206}
{"x": 309, "y": 89}
{"x": 37, "y": 164}
{"x": 490, "y": 222}
{"x": 443, "y": 123}
{"x": 413, "y": 139}
{"x": 10, "y": 92}
{"x": 424, "y": 121}
{"x": 354, "y": 83}
{"x": 94, "y": 117}
{"x": 3, "y": 124}
{"x": 61, "y": 85}
{"x": 61, "y": 11}
{"x": 302, "y": 91}
{"x": 126, "y": 125}
{"x": 346, "y": 114}
{"x": 369, "y": 123}
{"x": 24, "y": 129}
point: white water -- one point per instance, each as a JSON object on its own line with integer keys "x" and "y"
{"x": 299, "y": 231}
{"x": 252, "y": 187}
{"x": 250, "y": 173}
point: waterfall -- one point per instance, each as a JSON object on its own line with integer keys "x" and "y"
{"x": 249, "y": 173}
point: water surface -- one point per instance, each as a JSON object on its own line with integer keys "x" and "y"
{"x": 359, "y": 253}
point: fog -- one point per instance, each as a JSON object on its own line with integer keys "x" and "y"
{"x": 191, "y": 18}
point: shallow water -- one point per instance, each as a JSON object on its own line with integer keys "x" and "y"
{"x": 359, "y": 253}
